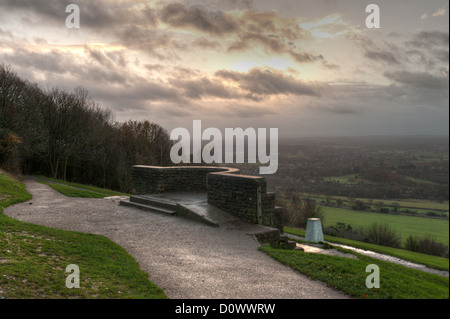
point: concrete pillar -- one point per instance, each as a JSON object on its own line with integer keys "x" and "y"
{"x": 314, "y": 230}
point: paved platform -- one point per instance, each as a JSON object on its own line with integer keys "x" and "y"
{"x": 196, "y": 204}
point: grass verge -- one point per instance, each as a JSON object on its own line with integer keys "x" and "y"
{"x": 103, "y": 191}
{"x": 33, "y": 260}
{"x": 73, "y": 192}
{"x": 427, "y": 260}
{"x": 349, "y": 275}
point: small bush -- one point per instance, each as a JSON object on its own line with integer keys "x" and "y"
{"x": 430, "y": 246}
{"x": 345, "y": 231}
{"x": 426, "y": 245}
{"x": 412, "y": 243}
{"x": 383, "y": 235}
{"x": 9, "y": 155}
{"x": 302, "y": 210}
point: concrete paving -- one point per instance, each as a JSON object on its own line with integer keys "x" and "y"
{"x": 185, "y": 258}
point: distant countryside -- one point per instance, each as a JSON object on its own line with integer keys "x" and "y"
{"x": 361, "y": 181}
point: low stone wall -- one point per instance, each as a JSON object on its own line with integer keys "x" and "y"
{"x": 245, "y": 197}
{"x": 240, "y": 195}
{"x": 155, "y": 179}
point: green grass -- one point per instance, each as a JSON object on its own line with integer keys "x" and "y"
{"x": 33, "y": 260}
{"x": 405, "y": 225}
{"x": 103, "y": 191}
{"x": 73, "y": 192}
{"x": 11, "y": 191}
{"x": 427, "y": 260}
{"x": 349, "y": 275}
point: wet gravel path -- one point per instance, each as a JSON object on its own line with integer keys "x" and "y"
{"x": 185, "y": 258}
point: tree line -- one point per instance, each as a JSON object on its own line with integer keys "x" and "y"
{"x": 67, "y": 135}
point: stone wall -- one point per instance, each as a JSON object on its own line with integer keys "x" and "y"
{"x": 240, "y": 195}
{"x": 245, "y": 197}
{"x": 154, "y": 179}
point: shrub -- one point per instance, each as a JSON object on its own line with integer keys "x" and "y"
{"x": 345, "y": 231}
{"x": 9, "y": 145}
{"x": 298, "y": 211}
{"x": 412, "y": 243}
{"x": 426, "y": 245}
{"x": 383, "y": 235}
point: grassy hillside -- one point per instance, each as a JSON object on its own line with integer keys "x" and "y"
{"x": 34, "y": 259}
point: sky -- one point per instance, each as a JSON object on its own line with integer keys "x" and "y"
{"x": 308, "y": 68}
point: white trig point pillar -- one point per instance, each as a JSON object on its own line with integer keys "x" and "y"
{"x": 314, "y": 232}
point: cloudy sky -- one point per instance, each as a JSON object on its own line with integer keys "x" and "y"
{"x": 308, "y": 68}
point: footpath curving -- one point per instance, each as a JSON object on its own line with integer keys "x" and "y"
{"x": 189, "y": 260}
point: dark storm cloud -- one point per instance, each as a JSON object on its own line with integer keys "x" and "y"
{"x": 180, "y": 16}
{"x": 136, "y": 27}
{"x": 152, "y": 42}
{"x": 415, "y": 61}
{"x": 271, "y": 24}
{"x": 419, "y": 79}
{"x": 243, "y": 31}
{"x": 206, "y": 43}
{"x": 53, "y": 62}
{"x": 145, "y": 91}
{"x": 271, "y": 44}
{"x": 198, "y": 88}
{"x": 305, "y": 57}
{"x": 255, "y": 85}
{"x": 426, "y": 39}
{"x": 103, "y": 74}
{"x": 100, "y": 14}
{"x": 248, "y": 40}
{"x": 383, "y": 56}
{"x": 58, "y": 64}
{"x": 425, "y": 48}
{"x": 266, "y": 83}
{"x": 53, "y": 9}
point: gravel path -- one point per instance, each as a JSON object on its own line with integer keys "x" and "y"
{"x": 186, "y": 259}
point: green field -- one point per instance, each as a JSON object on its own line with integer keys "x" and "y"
{"x": 353, "y": 179}
{"x": 344, "y": 179}
{"x": 418, "y": 180}
{"x": 405, "y": 225}
{"x": 404, "y": 203}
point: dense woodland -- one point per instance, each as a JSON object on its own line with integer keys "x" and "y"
{"x": 67, "y": 135}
